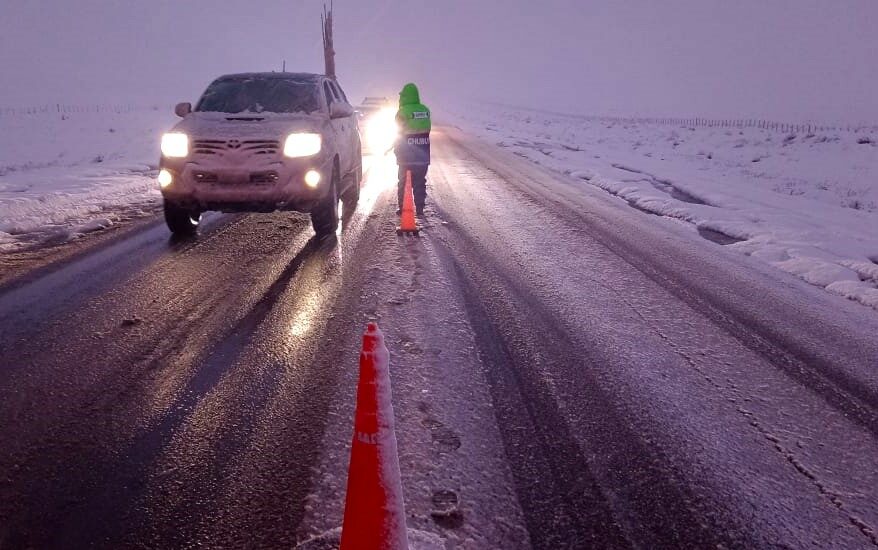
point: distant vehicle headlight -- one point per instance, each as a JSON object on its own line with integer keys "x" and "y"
{"x": 381, "y": 131}
{"x": 302, "y": 145}
{"x": 175, "y": 145}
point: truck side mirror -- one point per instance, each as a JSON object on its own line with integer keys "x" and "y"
{"x": 183, "y": 109}
{"x": 340, "y": 110}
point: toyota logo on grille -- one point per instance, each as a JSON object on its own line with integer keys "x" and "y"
{"x": 234, "y": 144}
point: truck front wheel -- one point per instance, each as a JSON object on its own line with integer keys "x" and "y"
{"x": 180, "y": 220}
{"x": 324, "y": 216}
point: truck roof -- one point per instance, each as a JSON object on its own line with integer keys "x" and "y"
{"x": 300, "y": 77}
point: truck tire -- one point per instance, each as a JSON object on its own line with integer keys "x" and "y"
{"x": 324, "y": 216}
{"x": 351, "y": 195}
{"x": 181, "y": 221}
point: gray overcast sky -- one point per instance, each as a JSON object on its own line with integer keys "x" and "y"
{"x": 786, "y": 59}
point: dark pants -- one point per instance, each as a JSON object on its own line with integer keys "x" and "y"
{"x": 419, "y": 184}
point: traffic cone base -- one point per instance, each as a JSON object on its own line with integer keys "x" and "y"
{"x": 407, "y": 223}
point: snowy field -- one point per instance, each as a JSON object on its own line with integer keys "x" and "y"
{"x": 66, "y": 174}
{"x": 806, "y": 202}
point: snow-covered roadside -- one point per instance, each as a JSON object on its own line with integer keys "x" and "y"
{"x": 807, "y": 204}
{"x": 64, "y": 175}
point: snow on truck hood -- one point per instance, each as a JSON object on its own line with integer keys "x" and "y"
{"x": 248, "y": 125}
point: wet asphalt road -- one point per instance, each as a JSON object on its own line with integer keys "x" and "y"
{"x": 138, "y": 376}
{"x": 651, "y": 389}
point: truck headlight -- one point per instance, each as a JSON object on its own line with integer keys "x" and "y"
{"x": 175, "y": 145}
{"x": 302, "y": 145}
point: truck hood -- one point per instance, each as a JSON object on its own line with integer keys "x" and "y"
{"x": 248, "y": 125}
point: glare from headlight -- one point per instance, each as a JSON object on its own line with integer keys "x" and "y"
{"x": 302, "y": 145}
{"x": 165, "y": 178}
{"x": 312, "y": 178}
{"x": 175, "y": 145}
{"x": 381, "y": 131}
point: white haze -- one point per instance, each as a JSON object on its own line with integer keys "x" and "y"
{"x": 782, "y": 59}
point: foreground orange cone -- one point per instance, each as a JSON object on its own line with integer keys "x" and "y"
{"x": 407, "y": 223}
{"x": 374, "y": 514}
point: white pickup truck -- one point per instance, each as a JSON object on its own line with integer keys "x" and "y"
{"x": 261, "y": 142}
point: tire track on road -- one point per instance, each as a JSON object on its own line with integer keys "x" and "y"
{"x": 801, "y": 358}
{"x": 642, "y": 502}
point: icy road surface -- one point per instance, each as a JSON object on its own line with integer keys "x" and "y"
{"x": 568, "y": 372}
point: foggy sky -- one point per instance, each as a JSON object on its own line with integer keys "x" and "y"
{"x": 784, "y": 59}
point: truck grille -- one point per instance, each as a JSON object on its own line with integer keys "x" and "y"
{"x": 263, "y": 177}
{"x": 221, "y": 147}
{"x": 205, "y": 177}
{"x": 258, "y": 178}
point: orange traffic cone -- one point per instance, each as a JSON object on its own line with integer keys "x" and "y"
{"x": 374, "y": 514}
{"x": 407, "y": 223}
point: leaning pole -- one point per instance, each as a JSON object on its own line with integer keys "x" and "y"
{"x": 328, "y": 46}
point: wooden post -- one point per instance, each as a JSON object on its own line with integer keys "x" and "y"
{"x": 328, "y": 45}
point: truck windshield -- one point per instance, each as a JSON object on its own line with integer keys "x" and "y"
{"x": 260, "y": 95}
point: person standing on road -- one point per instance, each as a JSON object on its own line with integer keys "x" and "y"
{"x": 413, "y": 144}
